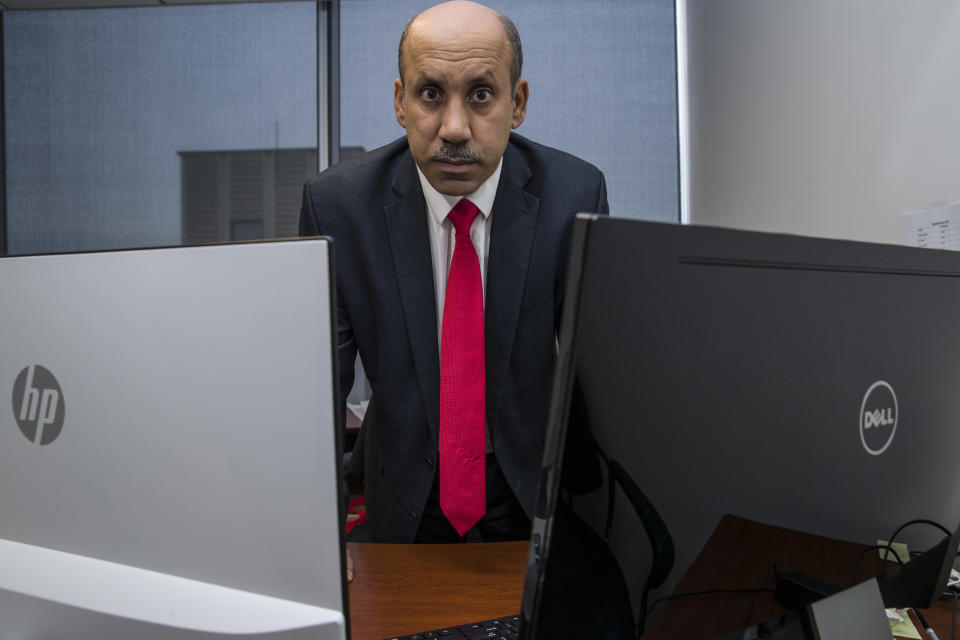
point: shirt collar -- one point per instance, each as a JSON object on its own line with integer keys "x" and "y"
{"x": 439, "y": 205}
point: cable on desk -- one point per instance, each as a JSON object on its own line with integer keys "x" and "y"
{"x": 707, "y": 592}
{"x": 932, "y": 523}
{"x": 873, "y": 547}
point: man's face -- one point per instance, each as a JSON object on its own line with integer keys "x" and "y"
{"x": 456, "y": 102}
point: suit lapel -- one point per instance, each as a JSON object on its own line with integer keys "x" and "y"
{"x": 515, "y": 215}
{"x": 406, "y": 224}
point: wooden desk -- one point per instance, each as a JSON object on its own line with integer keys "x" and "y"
{"x": 404, "y": 588}
{"x": 401, "y": 589}
{"x": 741, "y": 554}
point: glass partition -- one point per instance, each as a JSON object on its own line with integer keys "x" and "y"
{"x": 157, "y": 125}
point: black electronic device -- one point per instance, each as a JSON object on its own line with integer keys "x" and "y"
{"x": 803, "y": 382}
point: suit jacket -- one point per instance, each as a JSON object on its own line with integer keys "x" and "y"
{"x": 373, "y": 208}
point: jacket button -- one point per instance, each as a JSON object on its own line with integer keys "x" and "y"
{"x": 429, "y": 461}
{"x": 413, "y": 514}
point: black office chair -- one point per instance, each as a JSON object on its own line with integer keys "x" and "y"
{"x": 661, "y": 544}
{"x": 583, "y": 465}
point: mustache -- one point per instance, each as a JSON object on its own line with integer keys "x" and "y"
{"x": 453, "y": 151}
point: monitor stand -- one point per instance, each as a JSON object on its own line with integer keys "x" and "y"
{"x": 54, "y": 594}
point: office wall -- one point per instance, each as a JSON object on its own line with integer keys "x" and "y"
{"x": 821, "y": 117}
{"x": 602, "y": 86}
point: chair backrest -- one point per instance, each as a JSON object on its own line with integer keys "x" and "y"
{"x": 661, "y": 544}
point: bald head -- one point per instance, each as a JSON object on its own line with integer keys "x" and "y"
{"x": 462, "y": 16}
{"x": 457, "y": 95}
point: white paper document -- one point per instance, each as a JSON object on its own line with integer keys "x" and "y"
{"x": 937, "y": 228}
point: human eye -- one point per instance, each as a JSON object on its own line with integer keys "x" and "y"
{"x": 482, "y": 95}
{"x": 430, "y": 94}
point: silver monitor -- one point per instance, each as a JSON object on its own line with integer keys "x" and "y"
{"x": 169, "y": 458}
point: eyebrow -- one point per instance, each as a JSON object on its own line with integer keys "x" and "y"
{"x": 487, "y": 77}
{"x": 425, "y": 78}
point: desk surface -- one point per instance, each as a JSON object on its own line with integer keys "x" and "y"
{"x": 401, "y": 589}
{"x": 404, "y": 588}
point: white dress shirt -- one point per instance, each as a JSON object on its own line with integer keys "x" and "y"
{"x": 443, "y": 235}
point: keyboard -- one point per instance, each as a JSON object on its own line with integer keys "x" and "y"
{"x": 497, "y": 629}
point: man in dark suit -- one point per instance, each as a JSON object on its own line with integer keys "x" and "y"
{"x": 453, "y": 305}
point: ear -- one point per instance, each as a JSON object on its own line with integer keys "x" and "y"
{"x": 521, "y": 94}
{"x": 398, "y": 103}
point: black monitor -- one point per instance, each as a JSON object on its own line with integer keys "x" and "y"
{"x": 807, "y": 383}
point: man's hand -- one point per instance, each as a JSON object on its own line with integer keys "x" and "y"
{"x": 349, "y": 566}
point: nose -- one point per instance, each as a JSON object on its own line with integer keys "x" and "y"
{"x": 455, "y": 122}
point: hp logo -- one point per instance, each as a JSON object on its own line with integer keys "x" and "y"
{"x": 879, "y": 414}
{"x": 38, "y": 404}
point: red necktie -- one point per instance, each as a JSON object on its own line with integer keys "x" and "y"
{"x": 462, "y": 382}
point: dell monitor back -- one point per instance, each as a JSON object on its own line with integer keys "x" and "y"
{"x": 806, "y": 383}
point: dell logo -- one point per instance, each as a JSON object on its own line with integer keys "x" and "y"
{"x": 879, "y": 413}
{"x": 878, "y": 418}
{"x": 38, "y": 404}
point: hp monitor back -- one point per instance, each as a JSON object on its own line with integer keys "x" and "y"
{"x": 170, "y": 416}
